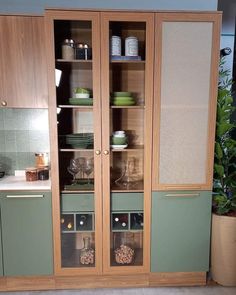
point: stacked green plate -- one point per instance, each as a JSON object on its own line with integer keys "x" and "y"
{"x": 80, "y": 140}
{"x": 123, "y": 99}
{"x": 81, "y": 101}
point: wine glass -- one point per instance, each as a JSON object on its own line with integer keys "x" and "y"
{"x": 73, "y": 168}
{"x": 88, "y": 167}
{"x": 81, "y": 162}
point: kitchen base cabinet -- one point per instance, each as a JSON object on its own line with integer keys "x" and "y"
{"x": 1, "y": 262}
{"x": 180, "y": 231}
{"x": 26, "y": 233}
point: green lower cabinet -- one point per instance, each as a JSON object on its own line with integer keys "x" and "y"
{"x": 27, "y": 233}
{"x": 180, "y": 233}
{"x": 1, "y": 262}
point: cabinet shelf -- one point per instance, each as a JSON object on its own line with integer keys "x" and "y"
{"x": 128, "y": 61}
{"x": 74, "y": 61}
{"x": 137, "y": 187}
{"x": 129, "y": 149}
{"x": 75, "y": 107}
{"x": 75, "y": 150}
{"x": 127, "y": 107}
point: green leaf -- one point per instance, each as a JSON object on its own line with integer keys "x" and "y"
{"x": 219, "y": 169}
{"x": 223, "y": 128}
{"x": 218, "y": 151}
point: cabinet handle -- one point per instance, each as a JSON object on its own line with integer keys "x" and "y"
{"x": 106, "y": 152}
{"x": 98, "y": 152}
{"x": 182, "y": 195}
{"x": 3, "y": 103}
{"x": 23, "y": 196}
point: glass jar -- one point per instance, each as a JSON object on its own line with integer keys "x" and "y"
{"x": 68, "y": 49}
{"x": 124, "y": 253}
{"x": 87, "y": 253}
{"x": 31, "y": 174}
{"x": 41, "y": 160}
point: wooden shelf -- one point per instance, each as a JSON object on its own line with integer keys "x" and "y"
{"x": 128, "y": 61}
{"x": 64, "y": 106}
{"x": 74, "y": 60}
{"x": 128, "y": 107}
{"x": 75, "y": 150}
{"x": 130, "y": 188}
{"x": 129, "y": 149}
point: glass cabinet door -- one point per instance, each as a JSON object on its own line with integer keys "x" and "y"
{"x": 76, "y": 143}
{"x": 126, "y": 121}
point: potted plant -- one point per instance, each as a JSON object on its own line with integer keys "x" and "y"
{"x": 223, "y": 240}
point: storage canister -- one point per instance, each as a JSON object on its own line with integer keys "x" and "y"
{"x": 68, "y": 49}
{"x": 131, "y": 46}
{"x": 115, "y": 45}
{"x": 31, "y": 174}
{"x": 41, "y": 160}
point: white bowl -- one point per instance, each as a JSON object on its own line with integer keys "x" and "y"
{"x": 81, "y": 95}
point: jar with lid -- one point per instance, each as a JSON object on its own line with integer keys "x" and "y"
{"x": 87, "y": 253}
{"x": 41, "y": 160}
{"x": 131, "y": 46}
{"x": 68, "y": 49}
{"x": 115, "y": 45}
{"x": 31, "y": 174}
{"x": 43, "y": 173}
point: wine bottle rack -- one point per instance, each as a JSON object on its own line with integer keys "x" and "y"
{"x": 127, "y": 221}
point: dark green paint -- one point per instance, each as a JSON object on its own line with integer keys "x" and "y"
{"x": 77, "y": 202}
{"x": 127, "y": 201}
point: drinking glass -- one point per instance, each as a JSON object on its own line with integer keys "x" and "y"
{"x": 73, "y": 168}
{"x": 88, "y": 167}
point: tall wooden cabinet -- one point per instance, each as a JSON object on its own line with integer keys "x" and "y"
{"x": 119, "y": 173}
{"x": 23, "y": 82}
{"x": 102, "y": 193}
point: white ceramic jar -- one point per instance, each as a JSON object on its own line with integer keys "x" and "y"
{"x": 115, "y": 45}
{"x": 131, "y": 46}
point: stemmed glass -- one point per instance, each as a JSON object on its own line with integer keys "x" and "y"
{"x": 88, "y": 167}
{"x": 81, "y": 162}
{"x": 73, "y": 168}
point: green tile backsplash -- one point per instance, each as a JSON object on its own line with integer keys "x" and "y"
{"x": 23, "y": 132}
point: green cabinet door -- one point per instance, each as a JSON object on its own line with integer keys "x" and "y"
{"x": 27, "y": 233}
{"x": 180, "y": 234}
{"x": 1, "y": 262}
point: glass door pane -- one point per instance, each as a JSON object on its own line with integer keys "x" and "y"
{"x": 127, "y": 89}
{"x": 77, "y": 99}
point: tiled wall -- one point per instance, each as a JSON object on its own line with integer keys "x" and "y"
{"x": 22, "y": 133}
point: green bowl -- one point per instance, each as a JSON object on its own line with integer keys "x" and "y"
{"x": 121, "y": 94}
{"x": 81, "y": 101}
{"x": 119, "y": 140}
{"x": 125, "y": 98}
{"x": 124, "y": 103}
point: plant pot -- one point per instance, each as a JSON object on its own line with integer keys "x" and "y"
{"x": 223, "y": 250}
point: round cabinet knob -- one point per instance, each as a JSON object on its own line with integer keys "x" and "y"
{"x": 106, "y": 152}
{"x": 98, "y": 152}
{"x": 3, "y": 103}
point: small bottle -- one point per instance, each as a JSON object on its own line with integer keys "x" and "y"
{"x": 82, "y": 220}
{"x": 68, "y": 49}
{"x": 87, "y": 253}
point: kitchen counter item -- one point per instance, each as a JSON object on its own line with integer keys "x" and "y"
{"x": 18, "y": 183}
{"x": 31, "y": 174}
